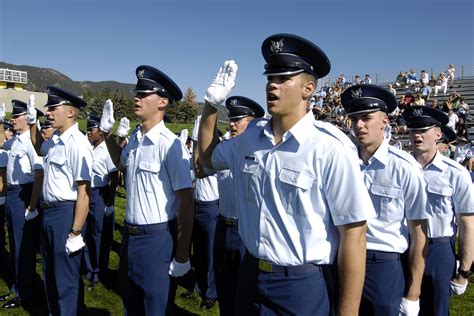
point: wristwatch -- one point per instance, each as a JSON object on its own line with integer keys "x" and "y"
{"x": 465, "y": 274}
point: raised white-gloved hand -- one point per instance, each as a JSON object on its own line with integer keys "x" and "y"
{"x": 222, "y": 85}
{"x": 2, "y": 112}
{"x": 107, "y": 121}
{"x": 458, "y": 289}
{"x": 179, "y": 269}
{"x": 108, "y": 210}
{"x": 409, "y": 308}
{"x": 31, "y": 110}
{"x": 2, "y": 200}
{"x": 29, "y": 215}
{"x": 124, "y": 127}
{"x": 74, "y": 244}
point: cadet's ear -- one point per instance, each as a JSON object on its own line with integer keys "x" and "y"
{"x": 308, "y": 89}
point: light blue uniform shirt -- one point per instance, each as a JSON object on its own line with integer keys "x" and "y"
{"x": 450, "y": 192}
{"x": 227, "y": 200}
{"x": 68, "y": 159}
{"x": 396, "y": 187}
{"x": 157, "y": 165}
{"x": 22, "y": 159}
{"x": 290, "y": 197}
{"x": 102, "y": 166}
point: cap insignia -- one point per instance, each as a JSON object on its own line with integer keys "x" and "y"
{"x": 417, "y": 112}
{"x": 356, "y": 94}
{"x": 141, "y": 73}
{"x": 277, "y": 47}
{"x": 233, "y": 102}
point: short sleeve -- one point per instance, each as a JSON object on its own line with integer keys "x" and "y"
{"x": 463, "y": 195}
{"x": 178, "y": 166}
{"x": 194, "y": 135}
{"x": 222, "y": 155}
{"x": 81, "y": 162}
{"x": 3, "y": 158}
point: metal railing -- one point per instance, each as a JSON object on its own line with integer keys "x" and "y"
{"x": 462, "y": 72}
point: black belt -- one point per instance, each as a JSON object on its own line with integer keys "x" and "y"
{"x": 144, "y": 229}
{"x": 439, "y": 240}
{"x": 268, "y": 267}
{"x": 205, "y": 203}
{"x": 229, "y": 222}
{"x": 381, "y": 255}
{"x": 46, "y": 205}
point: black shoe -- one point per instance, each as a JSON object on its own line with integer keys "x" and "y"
{"x": 187, "y": 295}
{"x": 91, "y": 285}
{"x": 13, "y": 303}
{"x": 6, "y": 297}
{"x": 208, "y": 303}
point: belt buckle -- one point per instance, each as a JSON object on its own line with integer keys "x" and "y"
{"x": 264, "y": 266}
{"x": 133, "y": 230}
{"x": 229, "y": 222}
{"x": 45, "y": 204}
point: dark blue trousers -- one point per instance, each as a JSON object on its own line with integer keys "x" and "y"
{"x": 205, "y": 220}
{"x": 106, "y": 242}
{"x": 282, "y": 293}
{"x": 93, "y": 233}
{"x": 144, "y": 263}
{"x": 23, "y": 237}
{"x": 2, "y": 232}
{"x": 384, "y": 284}
{"x": 440, "y": 266}
{"x": 61, "y": 275}
{"x": 229, "y": 250}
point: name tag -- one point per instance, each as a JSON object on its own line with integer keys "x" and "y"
{"x": 249, "y": 158}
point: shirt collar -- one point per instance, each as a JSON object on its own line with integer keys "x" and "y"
{"x": 153, "y": 134}
{"x": 438, "y": 161}
{"x": 68, "y": 133}
{"x": 25, "y": 136}
{"x": 300, "y": 131}
{"x": 381, "y": 154}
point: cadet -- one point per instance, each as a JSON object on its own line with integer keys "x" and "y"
{"x": 159, "y": 191}
{"x": 289, "y": 175}
{"x": 65, "y": 200}
{"x": 3, "y": 183}
{"x": 451, "y": 196}
{"x": 24, "y": 179}
{"x": 398, "y": 194}
{"x": 103, "y": 186}
{"x": 229, "y": 249}
{"x": 47, "y": 129}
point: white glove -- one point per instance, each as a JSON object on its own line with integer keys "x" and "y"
{"x": 124, "y": 127}
{"x": 31, "y": 111}
{"x": 458, "y": 289}
{"x": 108, "y": 210}
{"x": 222, "y": 85}
{"x": 2, "y": 112}
{"x": 107, "y": 121}
{"x": 74, "y": 244}
{"x": 30, "y": 215}
{"x": 409, "y": 308}
{"x": 178, "y": 269}
{"x": 2, "y": 200}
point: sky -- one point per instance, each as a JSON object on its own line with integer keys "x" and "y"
{"x": 100, "y": 40}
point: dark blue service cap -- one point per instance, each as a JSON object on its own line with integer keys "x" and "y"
{"x": 93, "y": 121}
{"x": 448, "y": 134}
{"x": 240, "y": 107}
{"x": 7, "y": 125}
{"x": 288, "y": 54}
{"x": 152, "y": 80}
{"x": 19, "y": 108}
{"x": 58, "y": 96}
{"x": 47, "y": 123}
{"x": 424, "y": 117}
{"x": 367, "y": 98}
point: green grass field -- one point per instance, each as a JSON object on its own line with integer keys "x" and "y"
{"x": 104, "y": 300}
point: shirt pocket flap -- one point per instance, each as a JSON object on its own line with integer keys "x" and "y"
{"x": 439, "y": 190}
{"x": 249, "y": 166}
{"x": 58, "y": 159}
{"x": 298, "y": 179}
{"x": 149, "y": 166}
{"x": 386, "y": 191}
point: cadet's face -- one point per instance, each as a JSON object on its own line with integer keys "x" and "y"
{"x": 47, "y": 132}
{"x": 424, "y": 140}
{"x": 57, "y": 115}
{"x": 19, "y": 123}
{"x": 94, "y": 134}
{"x": 368, "y": 127}
{"x": 442, "y": 147}
{"x": 147, "y": 105}
{"x": 284, "y": 93}
{"x": 237, "y": 127}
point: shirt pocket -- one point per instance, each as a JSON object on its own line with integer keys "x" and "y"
{"x": 295, "y": 185}
{"x": 249, "y": 171}
{"x": 149, "y": 171}
{"x": 387, "y": 201}
{"x": 440, "y": 198}
{"x": 21, "y": 162}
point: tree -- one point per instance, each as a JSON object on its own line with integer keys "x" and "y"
{"x": 184, "y": 111}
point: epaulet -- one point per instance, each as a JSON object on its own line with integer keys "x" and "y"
{"x": 452, "y": 163}
{"x": 403, "y": 155}
{"x": 336, "y": 133}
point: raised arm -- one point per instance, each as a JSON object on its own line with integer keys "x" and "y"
{"x": 216, "y": 94}
{"x": 106, "y": 124}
